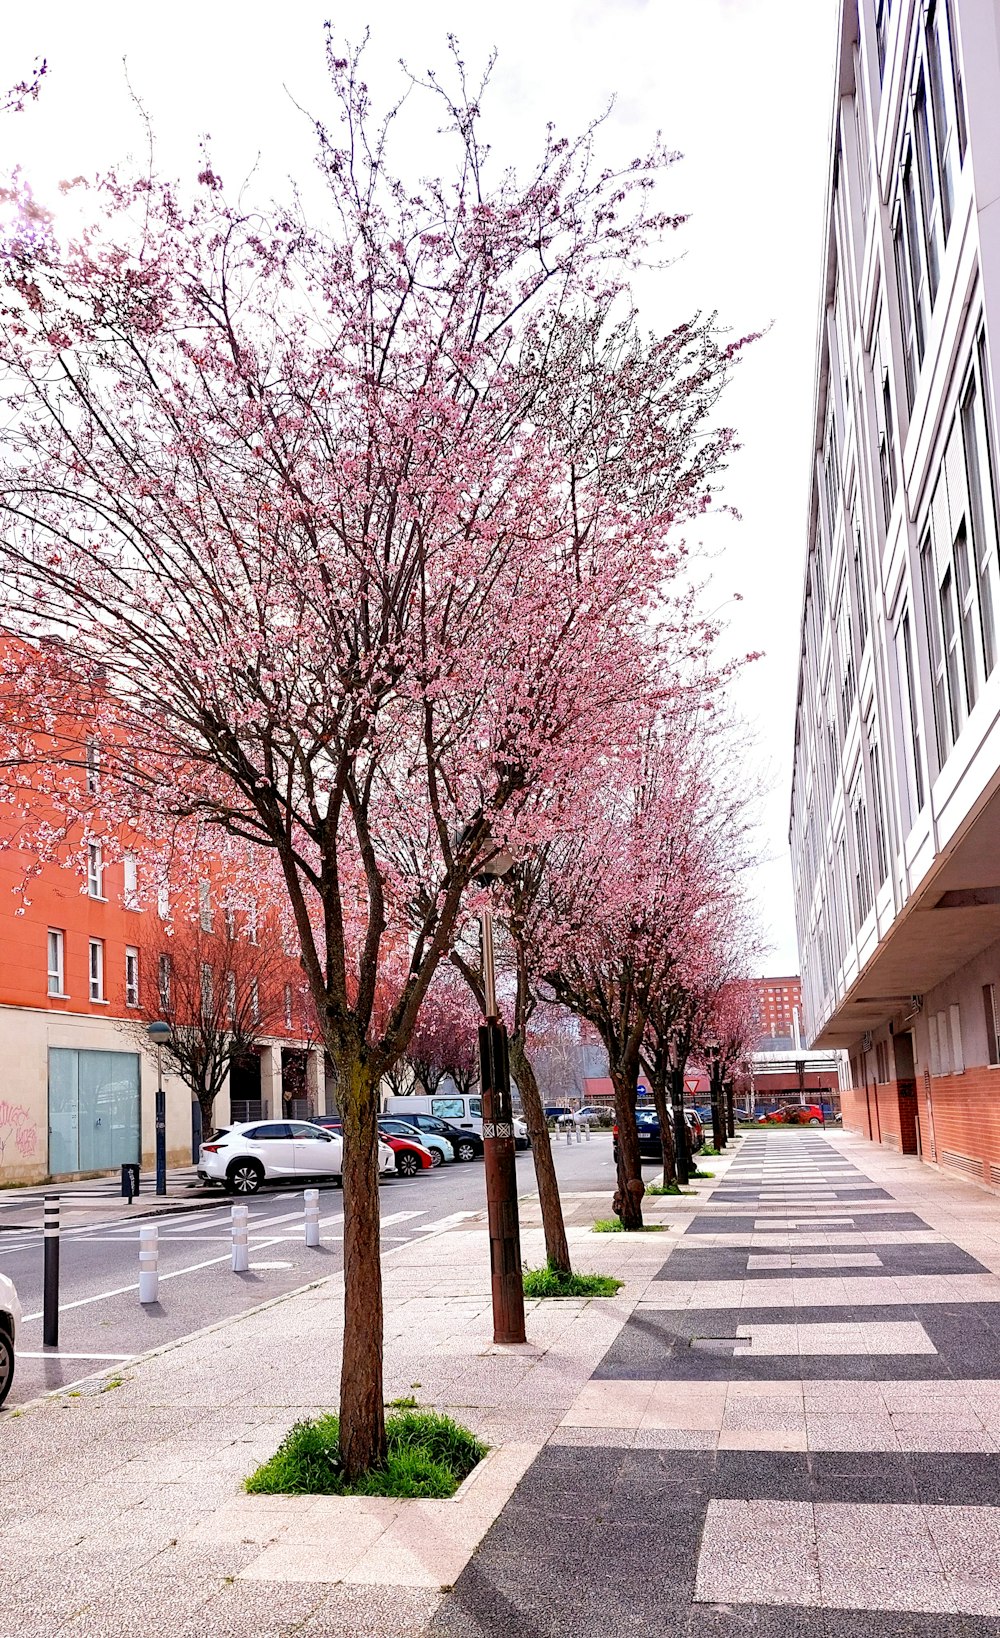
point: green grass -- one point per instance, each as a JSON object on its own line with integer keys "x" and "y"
{"x": 668, "y": 1188}
{"x": 699, "y": 1173}
{"x": 408, "y": 1403}
{"x": 612, "y": 1225}
{"x": 708, "y": 1152}
{"x": 553, "y": 1282}
{"x": 428, "y": 1455}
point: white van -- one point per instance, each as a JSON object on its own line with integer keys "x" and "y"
{"x": 463, "y": 1109}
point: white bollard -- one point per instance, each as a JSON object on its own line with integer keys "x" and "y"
{"x": 586, "y": 1131}
{"x": 579, "y": 1132}
{"x": 312, "y": 1217}
{"x": 149, "y": 1263}
{"x": 569, "y": 1133}
{"x": 241, "y": 1248}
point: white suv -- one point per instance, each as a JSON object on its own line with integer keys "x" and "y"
{"x": 10, "y": 1319}
{"x": 254, "y": 1152}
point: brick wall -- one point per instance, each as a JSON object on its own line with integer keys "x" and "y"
{"x": 874, "y": 1112}
{"x": 961, "y": 1128}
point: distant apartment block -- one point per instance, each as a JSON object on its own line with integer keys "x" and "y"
{"x": 779, "y": 1002}
{"x": 895, "y": 818}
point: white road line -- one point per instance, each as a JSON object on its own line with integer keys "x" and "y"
{"x": 57, "y": 1353}
{"x": 123, "y": 1290}
{"x": 444, "y": 1222}
{"x": 403, "y": 1217}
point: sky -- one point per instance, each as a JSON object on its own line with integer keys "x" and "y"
{"x": 742, "y": 88}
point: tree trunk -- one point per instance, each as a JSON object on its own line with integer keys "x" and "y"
{"x": 628, "y": 1197}
{"x": 683, "y": 1159}
{"x": 556, "y": 1244}
{"x": 657, "y": 1081}
{"x": 362, "y": 1413}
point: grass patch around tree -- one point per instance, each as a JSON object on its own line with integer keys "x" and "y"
{"x": 428, "y": 1456}
{"x": 668, "y": 1188}
{"x": 613, "y": 1225}
{"x": 554, "y": 1282}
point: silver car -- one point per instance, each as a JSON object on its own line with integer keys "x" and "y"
{"x": 10, "y": 1319}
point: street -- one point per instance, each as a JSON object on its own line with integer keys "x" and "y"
{"x": 102, "y": 1323}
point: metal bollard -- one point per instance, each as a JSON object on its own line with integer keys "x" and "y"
{"x": 241, "y": 1249}
{"x": 50, "y": 1272}
{"x": 312, "y": 1217}
{"x": 569, "y": 1133}
{"x": 579, "y": 1132}
{"x": 149, "y": 1263}
{"x": 586, "y": 1131}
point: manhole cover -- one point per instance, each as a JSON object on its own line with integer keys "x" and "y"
{"x": 717, "y": 1345}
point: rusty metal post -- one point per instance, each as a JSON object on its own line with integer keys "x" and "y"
{"x": 499, "y": 1156}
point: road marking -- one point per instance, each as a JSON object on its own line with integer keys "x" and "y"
{"x": 403, "y": 1217}
{"x": 123, "y": 1290}
{"x": 57, "y": 1353}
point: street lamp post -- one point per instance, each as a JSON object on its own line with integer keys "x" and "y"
{"x": 498, "y": 1140}
{"x": 159, "y": 1033}
{"x": 681, "y": 1145}
{"x": 715, "y": 1090}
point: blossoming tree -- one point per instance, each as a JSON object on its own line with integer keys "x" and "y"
{"x": 363, "y": 522}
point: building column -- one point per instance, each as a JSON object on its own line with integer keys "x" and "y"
{"x": 270, "y": 1081}
{"x": 316, "y": 1080}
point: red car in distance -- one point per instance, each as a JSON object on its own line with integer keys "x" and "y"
{"x": 795, "y": 1114}
{"x": 411, "y": 1157}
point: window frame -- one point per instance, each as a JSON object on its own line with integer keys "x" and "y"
{"x": 57, "y": 970}
{"x": 95, "y": 870}
{"x": 131, "y": 975}
{"x": 96, "y": 969}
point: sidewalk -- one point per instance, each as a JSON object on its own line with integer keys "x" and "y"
{"x": 124, "y": 1501}
{"x": 786, "y": 1424}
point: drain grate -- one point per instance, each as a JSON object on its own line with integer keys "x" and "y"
{"x": 718, "y": 1345}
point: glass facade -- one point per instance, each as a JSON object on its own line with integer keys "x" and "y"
{"x": 93, "y": 1110}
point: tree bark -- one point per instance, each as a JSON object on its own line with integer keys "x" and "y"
{"x": 683, "y": 1158}
{"x": 658, "y": 1085}
{"x": 362, "y": 1412}
{"x": 628, "y": 1196}
{"x": 556, "y": 1244}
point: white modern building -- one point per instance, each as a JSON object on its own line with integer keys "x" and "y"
{"x": 895, "y": 820}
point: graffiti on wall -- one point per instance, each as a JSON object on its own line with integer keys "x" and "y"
{"x": 18, "y": 1132}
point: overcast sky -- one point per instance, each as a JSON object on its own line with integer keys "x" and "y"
{"x": 742, "y": 88}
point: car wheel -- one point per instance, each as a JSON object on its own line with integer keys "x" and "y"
{"x": 244, "y": 1177}
{"x": 436, "y": 1157}
{"x": 813, "y": 1121}
{"x": 407, "y": 1165}
{"x": 6, "y": 1365}
{"x": 466, "y": 1151}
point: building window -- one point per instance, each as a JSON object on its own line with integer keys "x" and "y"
{"x": 57, "y": 967}
{"x": 955, "y": 1030}
{"x": 97, "y": 969}
{"x": 207, "y": 989}
{"x": 943, "y": 131}
{"x": 992, "y": 1023}
{"x": 929, "y": 211}
{"x": 95, "y": 870}
{"x": 911, "y": 742}
{"x": 845, "y": 646}
{"x": 205, "y": 906}
{"x": 93, "y": 766}
{"x": 252, "y": 923}
{"x": 883, "y": 10}
{"x": 130, "y": 865}
{"x": 254, "y": 1001}
{"x": 982, "y": 501}
{"x": 884, "y": 419}
{"x": 288, "y": 1006}
{"x": 863, "y": 862}
{"x": 163, "y": 903}
{"x": 878, "y": 803}
{"x": 229, "y": 916}
{"x": 958, "y": 89}
{"x": 131, "y": 977}
{"x": 831, "y": 478}
{"x": 942, "y": 716}
{"x": 231, "y": 996}
{"x": 164, "y": 982}
{"x": 912, "y": 339}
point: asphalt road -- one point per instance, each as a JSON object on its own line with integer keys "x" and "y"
{"x": 102, "y": 1323}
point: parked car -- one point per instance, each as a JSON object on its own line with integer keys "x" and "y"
{"x": 467, "y": 1145}
{"x": 647, "y": 1125}
{"x": 249, "y": 1153}
{"x": 10, "y": 1319}
{"x": 411, "y": 1155}
{"x": 581, "y": 1117}
{"x": 461, "y": 1109}
{"x": 794, "y": 1114}
{"x": 438, "y": 1145}
{"x": 552, "y": 1111}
